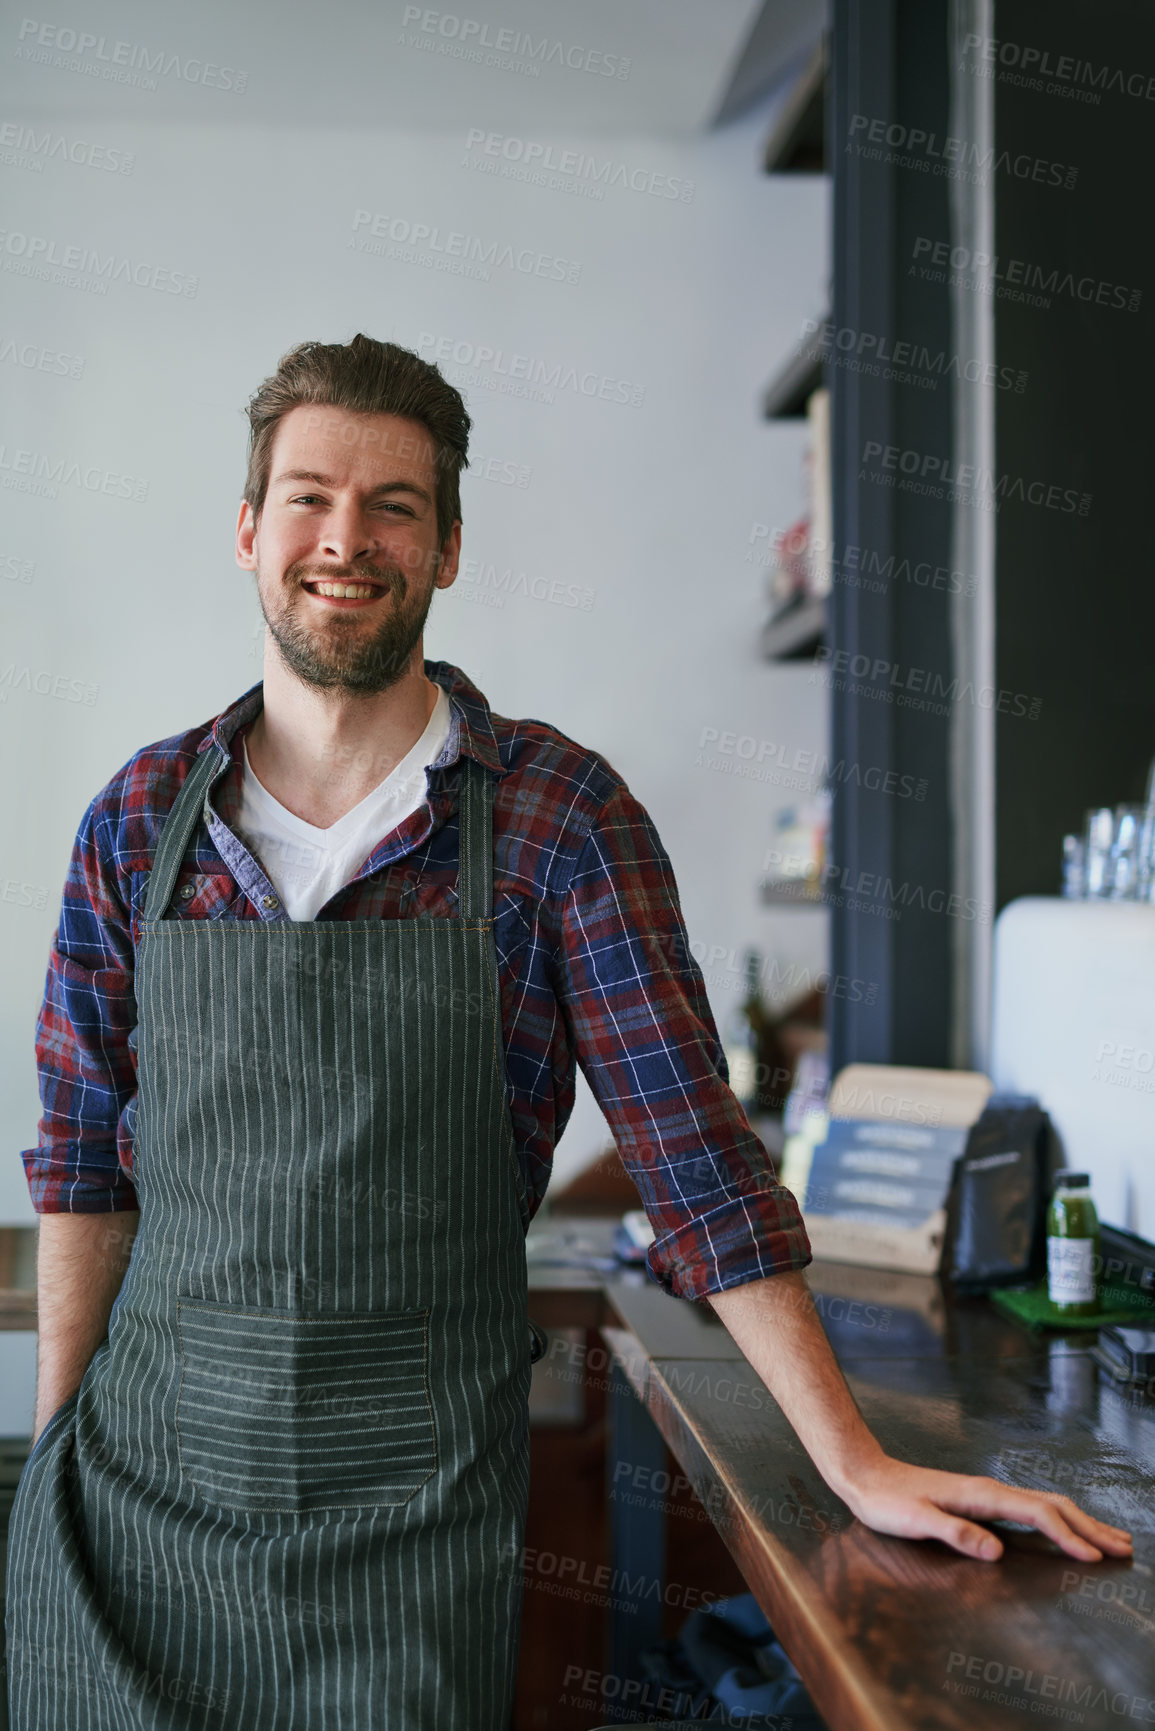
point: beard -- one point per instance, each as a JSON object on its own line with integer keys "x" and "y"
{"x": 337, "y": 652}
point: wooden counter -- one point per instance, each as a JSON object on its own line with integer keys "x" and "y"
{"x": 893, "y": 1635}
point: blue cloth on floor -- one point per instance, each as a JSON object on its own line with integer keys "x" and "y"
{"x": 733, "y": 1649}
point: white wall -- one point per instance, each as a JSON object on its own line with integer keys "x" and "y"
{"x": 650, "y": 507}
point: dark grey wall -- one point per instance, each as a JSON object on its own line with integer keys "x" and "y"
{"x": 1076, "y": 594}
{"x": 890, "y": 932}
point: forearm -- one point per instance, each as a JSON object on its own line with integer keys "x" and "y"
{"x": 777, "y": 1327}
{"x": 80, "y": 1265}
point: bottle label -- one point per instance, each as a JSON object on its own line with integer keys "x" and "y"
{"x": 1071, "y": 1270}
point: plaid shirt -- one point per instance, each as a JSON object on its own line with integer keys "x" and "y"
{"x": 593, "y": 959}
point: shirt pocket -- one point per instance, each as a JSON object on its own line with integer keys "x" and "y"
{"x": 290, "y": 1413}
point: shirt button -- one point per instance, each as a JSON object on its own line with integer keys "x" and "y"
{"x": 270, "y": 902}
{"x": 187, "y": 891}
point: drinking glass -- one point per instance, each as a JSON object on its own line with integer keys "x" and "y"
{"x": 1074, "y": 867}
{"x": 1125, "y": 856}
{"x": 1100, "y": 835}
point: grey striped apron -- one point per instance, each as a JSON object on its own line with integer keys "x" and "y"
{"x": 290, "y": 1492}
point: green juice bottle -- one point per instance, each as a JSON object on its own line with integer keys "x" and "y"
{"x": 1073, "y": 1246}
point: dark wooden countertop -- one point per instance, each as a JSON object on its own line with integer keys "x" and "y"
{"x": 891, "y": 1635}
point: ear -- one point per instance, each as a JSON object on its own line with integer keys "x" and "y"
{"x": 246, "y": 537}
{"x": 450, "y": 555}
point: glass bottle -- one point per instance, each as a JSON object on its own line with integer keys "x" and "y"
{"x": 1073, "y": 1246}
{"x": 743, "y": 1040}
{"x": 1074, "y": 867}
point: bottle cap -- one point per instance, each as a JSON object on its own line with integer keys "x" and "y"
{"x": 1065, "y": 1180}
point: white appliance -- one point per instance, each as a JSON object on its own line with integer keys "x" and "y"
{"x": 1074, "y": 1023}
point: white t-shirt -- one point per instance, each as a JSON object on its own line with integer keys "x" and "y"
{"x": 308, "y": 865}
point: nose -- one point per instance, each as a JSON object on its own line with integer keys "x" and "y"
{"x": 349, "y": 534}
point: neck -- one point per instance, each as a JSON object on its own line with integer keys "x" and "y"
{"x": 320, "y": 752}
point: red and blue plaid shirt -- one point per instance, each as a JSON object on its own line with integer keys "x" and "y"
{"x": 593, "y": 957}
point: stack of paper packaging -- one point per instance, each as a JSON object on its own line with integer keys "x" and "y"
{"x": 872, "y": 1172}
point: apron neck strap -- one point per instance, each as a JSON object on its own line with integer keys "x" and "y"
{"x": 475, "y": 815}
{"x": 475, "y": 873}
{"x": 176, "y": 834}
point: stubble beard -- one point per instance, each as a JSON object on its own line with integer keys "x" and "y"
{"x": 338, "y": 652}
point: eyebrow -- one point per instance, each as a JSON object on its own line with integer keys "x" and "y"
{"x": 327, "y": 481}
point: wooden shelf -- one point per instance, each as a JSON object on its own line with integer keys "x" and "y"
{"x": 795, "y": 633}
{"x": 790, "y": 893}
{"x": 797, "y": 143}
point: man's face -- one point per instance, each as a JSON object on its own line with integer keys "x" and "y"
{"x": 351, "y": 510}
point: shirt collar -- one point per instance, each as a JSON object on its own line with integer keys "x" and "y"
{"x": 470, "y": 719}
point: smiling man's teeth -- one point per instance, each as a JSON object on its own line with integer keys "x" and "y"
{"x": 345, "y": 591}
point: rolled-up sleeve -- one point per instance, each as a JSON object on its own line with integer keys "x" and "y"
{"x": 645, "y": 1038}
{"x": 86, "y": 1068}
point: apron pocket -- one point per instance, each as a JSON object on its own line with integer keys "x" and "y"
{"x": 292, "y": 1413}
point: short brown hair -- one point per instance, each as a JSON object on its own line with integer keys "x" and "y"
{"x": 371, "y": 378}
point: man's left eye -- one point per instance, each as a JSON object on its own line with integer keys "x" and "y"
{"x": 314, "y": 499}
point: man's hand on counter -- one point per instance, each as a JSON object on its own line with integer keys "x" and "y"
{"x": 892, "y": 1496}
{"x": 775, "y": 1324}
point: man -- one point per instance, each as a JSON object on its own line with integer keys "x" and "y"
{"x": 323, "y": 968}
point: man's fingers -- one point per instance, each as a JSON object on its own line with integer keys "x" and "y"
{"x": 961, "y": 1535}
{"x": 1025, "y": 1505}
{"x": 1061, "y": 1519}
{"x": 1048, "y": 1519}
{"x": 1095, "y": 1533}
